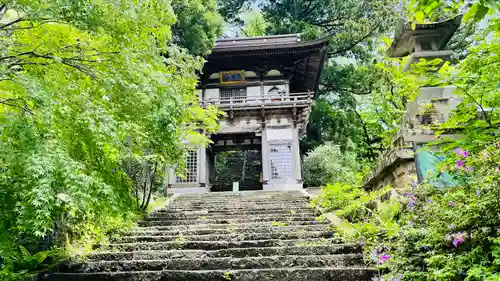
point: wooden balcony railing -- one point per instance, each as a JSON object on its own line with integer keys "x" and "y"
{"x": 249, "y": 102}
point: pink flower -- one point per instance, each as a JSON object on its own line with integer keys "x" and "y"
{"x": 461, "y": 152}
{"x": 469, "y": 169}
{"x": 458, "y": 239}
{"x": 452, "y": 204}
{"x": 384, "y": 257}
{"x": 460, "y": 163}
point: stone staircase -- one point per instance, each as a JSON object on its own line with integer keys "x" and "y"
{"x": 247, "y": 236}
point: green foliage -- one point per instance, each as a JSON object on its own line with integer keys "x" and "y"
{"x": 279, "y": 224}
{"x": 364, "y": 104}
{"x": 198, "y": 25}
{"x": 350, "y": 22}
{"x": 421, "y": 10}
{"x": 228, "y": 275}
{"x": 365, "y": 215}
{"x": 254, "y": 24}
{"x": 329, "y": 164}
{"x": 86, "y": 88}
{"x": 431, "y": 233}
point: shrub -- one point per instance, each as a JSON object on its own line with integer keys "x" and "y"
{"x": 329, "y": 164}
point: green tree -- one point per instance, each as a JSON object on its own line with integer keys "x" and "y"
{"x": 85, "y": 87}
{"x": 328, "y": 164}
{"x": 254, "y": 24}
{"x": 351, "y": 23}
{"x": 476, "y": 10}
{"x": 198, "y": 25}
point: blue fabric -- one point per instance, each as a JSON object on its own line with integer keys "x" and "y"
{"x": 428, "y": 163}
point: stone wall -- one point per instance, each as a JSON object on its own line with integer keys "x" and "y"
{"x": 396, "y": 167}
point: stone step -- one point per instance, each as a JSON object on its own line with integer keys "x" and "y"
{"x": 276, "y": 217}
{"x": 269, "y": 210}
{"x": 274, "y": 274}
{"x": 231, "y": 219}
{"x": 270, "y": 220}
{"x": 255, "y": 225}
{"x": 238, "y": 206}
{"x": 198, "y": 214}
{"x": 332, "y": 249}
{"x": 240, "y": 201}
{"x": 243, "y": 194}
{"x": 226, "y": 263}
{"x": 235, "y": 202}
{"x": 231, "y": 230}
{"x": 217, "y": 245}
{"x": 226, "y": 237}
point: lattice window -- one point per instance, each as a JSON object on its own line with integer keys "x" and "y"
{"x": 191, "y": 170}
{"x": 234, "y": 95}
{"x": 281, "y": 160}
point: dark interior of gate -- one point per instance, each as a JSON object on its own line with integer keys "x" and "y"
{"x": 235, "y": 158}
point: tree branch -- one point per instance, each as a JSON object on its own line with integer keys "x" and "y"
{"x": 12, "y": 102}
{"x": 11, "y": 23}
{"x": 354, "y": 44}
{"x": 66, "y": 61}
{"x": 367, "y": 136}
{"x": 485, "y": 114}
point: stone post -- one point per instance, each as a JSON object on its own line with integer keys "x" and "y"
{"x": 202, "y": 167}
{"x": 297, "y": 170}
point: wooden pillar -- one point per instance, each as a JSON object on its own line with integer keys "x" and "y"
{"x": 265, "y": 158}
{"x": 261, "y": 76}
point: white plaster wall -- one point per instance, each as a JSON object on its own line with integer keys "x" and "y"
{"x": 253, "y": 93}
{"x": 279, "y": 133}
{"x": 211, "y": 94}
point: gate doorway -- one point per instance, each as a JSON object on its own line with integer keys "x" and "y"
{"x": 236, "y": 158}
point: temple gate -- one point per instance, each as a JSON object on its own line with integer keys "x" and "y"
{"x": 266, "y": 86}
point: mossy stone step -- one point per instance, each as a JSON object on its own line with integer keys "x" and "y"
{"x": 332, "y": 249}
{"x": 269, "y": 210}
{"x": 227, "y": 237}
{"x": 274, "y": 274}
{"x": 230, "y": 230}
{"x": 275, "y": 217}
{"x": 226, "y": 263}
{"x": 228, "y": 222}
{"x": 196, "y": 215}
{"x": 255, "y": 225}
{"x": 217, "y": 245}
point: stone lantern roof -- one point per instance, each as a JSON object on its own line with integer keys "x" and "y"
{"x": 438, "y": 34}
